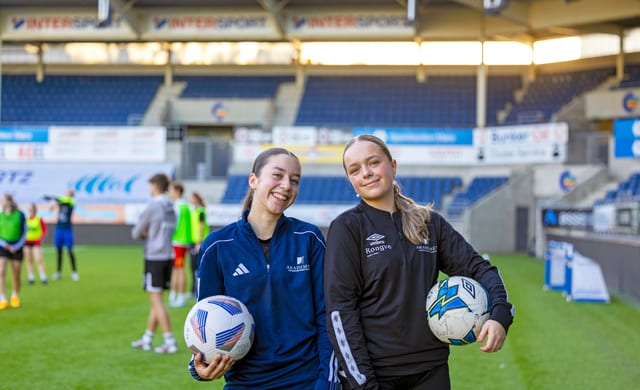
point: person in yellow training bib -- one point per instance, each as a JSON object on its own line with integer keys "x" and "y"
{"x": 13, "y": 234}
{"x": 199, "y": 231}
{"x": 36, "y": 232}
{"x": 181, "y": 242}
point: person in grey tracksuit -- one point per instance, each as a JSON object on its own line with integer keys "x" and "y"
{"x": 155, "y": 226}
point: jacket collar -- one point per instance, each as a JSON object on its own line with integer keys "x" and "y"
{"x": 370, "y": 209}
{"x": 244, "y": 224}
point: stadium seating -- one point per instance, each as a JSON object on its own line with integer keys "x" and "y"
{"x": 628, "y": 190}
{"x": 329, "y": 190}
{"x": 550, "y": 92}
{"x": 632, "y": 79}
{"x": 479, "y": 187}
{"x": 448, "y": 101}
{"x": 76, "y": 100}
{"x": 244, "y": 87}
{"x": 500, "y": 90}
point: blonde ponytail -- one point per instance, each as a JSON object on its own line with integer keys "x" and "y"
{"x": 414, "y": 217}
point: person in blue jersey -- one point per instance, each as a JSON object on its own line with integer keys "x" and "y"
{"x": 273, "y": 264}
{"x": 382, "y": 257}
{"x": 63, "y": 235}
{"x": 13, "y": 235}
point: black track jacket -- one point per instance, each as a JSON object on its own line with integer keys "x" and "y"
{"x": 376, "y": 283}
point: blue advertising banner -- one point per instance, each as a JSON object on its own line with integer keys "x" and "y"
{"x": 92, "y": 183}
{"x": 24, "y": 134}
{"x": 626, "y": 134}
{"x": 409, "y": 136}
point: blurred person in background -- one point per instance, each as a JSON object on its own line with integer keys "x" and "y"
{"x": 63, "y": 235}
{"x": 199, "y": 230}
{"x": 181, "y": 242}
{"x": 37, "y": 230}
{"x": 13, "y": 234}
{"x": 156, "y": 225}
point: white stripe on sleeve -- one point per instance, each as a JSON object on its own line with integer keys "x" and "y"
{"x": 345, "y": 350}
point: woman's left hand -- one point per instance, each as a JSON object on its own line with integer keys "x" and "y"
{"x": 496, "y": 334}
{"x": 216, "y": 369}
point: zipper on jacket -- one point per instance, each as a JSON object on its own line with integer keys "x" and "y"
{"x": 400, "y": 236}
{"x": 266, "y": 260}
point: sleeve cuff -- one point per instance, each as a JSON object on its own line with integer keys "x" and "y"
{"x": 194, "y": 374}
{"x": 502, "y": 314}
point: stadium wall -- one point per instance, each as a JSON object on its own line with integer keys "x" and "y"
{"x": 492, "y": 222}
{"x": 617, "y": 257}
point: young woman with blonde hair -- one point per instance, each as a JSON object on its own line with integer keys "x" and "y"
{"x": 382, "y": 258}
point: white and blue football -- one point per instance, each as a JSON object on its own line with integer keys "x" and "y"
{"x": 457, "y": 308}
{"x": 219, "y": 325}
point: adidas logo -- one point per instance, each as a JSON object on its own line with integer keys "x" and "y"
{"x": 241, "y": 270}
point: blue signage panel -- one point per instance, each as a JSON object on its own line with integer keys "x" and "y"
{"x": 627, "y": 138}
{"x": 24, "y": 134}
{"x": 420, "y": 136}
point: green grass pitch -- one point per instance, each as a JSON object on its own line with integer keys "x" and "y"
{"x": 76, "y": 335}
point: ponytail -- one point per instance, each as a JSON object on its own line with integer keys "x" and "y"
{"x": 414, "y": 217}
{"x": 246, "y": 204}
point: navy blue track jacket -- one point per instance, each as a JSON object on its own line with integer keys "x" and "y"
{"x": 285, "y": 296}
{"x": 376, "y": 285}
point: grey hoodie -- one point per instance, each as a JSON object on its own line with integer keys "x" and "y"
{"x": 158, "y": 220}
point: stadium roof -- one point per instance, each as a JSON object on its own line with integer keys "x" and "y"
{"x": 521, "y": 20}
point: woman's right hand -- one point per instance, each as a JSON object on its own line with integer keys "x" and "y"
{"x": 216, "y": 369}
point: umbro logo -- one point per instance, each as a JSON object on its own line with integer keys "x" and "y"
{"x": 240, "y": 270}
{"x": 375, "y": 239}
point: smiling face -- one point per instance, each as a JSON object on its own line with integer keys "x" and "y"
{"x": 370, "y": 172}
{"x": 275, "y": 186}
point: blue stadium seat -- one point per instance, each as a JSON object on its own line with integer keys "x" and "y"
{"x": 244, "y": 87}
{"x": 448, "y": 101}
{"x": 550, "y": 92}
{"x": 478, "y": 188}
{"x": 628, "y": 190}
{"x": 632, "y": 77}
{"x": 76, "y": 100}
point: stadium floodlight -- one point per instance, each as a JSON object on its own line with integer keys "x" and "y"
{"x": 494, "y": 6}
{"x": 104, "y": 13}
